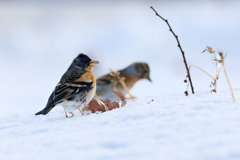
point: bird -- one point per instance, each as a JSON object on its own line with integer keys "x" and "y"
{"x": 76, "y": 87}
{"x": 131, "y": 74}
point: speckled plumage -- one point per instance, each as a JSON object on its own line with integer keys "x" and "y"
{"x": 76, "y": 87}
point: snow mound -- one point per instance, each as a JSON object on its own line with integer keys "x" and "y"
{"x": 201, "y": 126}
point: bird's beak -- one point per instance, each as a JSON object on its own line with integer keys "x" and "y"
{"x": 148, "y": 78}
{"x": 93, "y": 63}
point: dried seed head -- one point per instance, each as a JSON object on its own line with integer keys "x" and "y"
{"x": 186, "y": 93}
{"x": 208, "y": 49}
{"x": 185, "y": 81}
{"x": 220, "y": 53}
{"x": 222, "y": 56}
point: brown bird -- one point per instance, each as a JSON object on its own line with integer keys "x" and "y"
{"x": 132, "y": 74}
{"x": 76, "y": 88}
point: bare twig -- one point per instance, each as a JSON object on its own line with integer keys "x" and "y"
{"x": 184, "y": 59}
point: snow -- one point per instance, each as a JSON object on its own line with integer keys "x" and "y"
{"x": 203, "y": 126}
{"x": 38, "y": 41}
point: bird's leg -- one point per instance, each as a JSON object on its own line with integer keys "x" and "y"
{"x": 65, "y": 112}
{"x": 69, "y": 112}
{"x": 80, "y": 110}
{"x": 71, "y": 115}
{"x": 65, "y": 108}
{"x": 64, "y": 102}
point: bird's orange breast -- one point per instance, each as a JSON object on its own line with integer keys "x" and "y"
{"x": 88, "y": 76}
{"x": 129, "y": 80}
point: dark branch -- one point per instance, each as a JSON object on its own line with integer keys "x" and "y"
{"x": 184, "y": 59}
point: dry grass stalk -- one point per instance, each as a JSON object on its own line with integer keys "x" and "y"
{"x": 225, "y": 72}
{"x": 219, "y": 64}
{"x": 201, "y": 70}
{"x": 210, "y": 50}
{"x": 100, "y": 102}
{"x": 119, "y": 79}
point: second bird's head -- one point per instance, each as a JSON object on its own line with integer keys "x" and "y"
{"x": 139, "y": 70}
{"x": 83, "y": 62}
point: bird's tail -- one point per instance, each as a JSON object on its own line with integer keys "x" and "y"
{"x": 47, "y": 109}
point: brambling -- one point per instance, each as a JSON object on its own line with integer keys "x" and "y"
{"x": 76, "y": 88}
{"x": 132, "y": 74}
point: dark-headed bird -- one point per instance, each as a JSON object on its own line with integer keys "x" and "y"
{"x": 132, "y": 74}
{"x": 76, "y": 88}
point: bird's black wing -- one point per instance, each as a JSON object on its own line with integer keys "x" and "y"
{"x": 66, "y": 89}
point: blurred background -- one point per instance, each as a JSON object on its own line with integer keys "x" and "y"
{"x": 40, "y": 38}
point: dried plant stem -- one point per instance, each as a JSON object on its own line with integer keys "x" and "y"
{"x": 201, "y": 70}
{"x": 217, "y": 73}
{"x": 183, "y": 54}
{"x": 125, "y": 87}
{"x": 217, "y": 76}
{"x": 119, "y": 79}
{"x": 228, "y": 82}
{"x": 100, "y": 102}
{"x": 220, "y": 63}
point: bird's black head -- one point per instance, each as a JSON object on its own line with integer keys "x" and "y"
{"x": 82, "y": 61}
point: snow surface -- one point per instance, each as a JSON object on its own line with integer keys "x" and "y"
{"x": 203, "y": 126}
{"x": 39, "y": 39}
